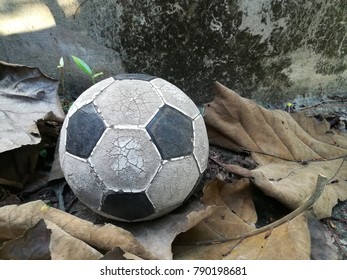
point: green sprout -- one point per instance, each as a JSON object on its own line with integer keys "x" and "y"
{"x": 61, "y": 63}
{"x": 86, "y": 68}
{"x": 289, "y": 107}
{"x": 60, "y": 66}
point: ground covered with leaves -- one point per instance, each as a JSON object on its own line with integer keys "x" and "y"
{"x": 275, "y": 186}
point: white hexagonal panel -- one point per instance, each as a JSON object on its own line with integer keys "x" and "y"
{"x": 89, "y": 95}
{"x": 201, "y": 144}
{"x": 86, "y": 185}
{"x": 173, "y": 183}
{"x": 127, "y": 160}
{"x": 129, "y": 102}
{"x": 176, "y": 98}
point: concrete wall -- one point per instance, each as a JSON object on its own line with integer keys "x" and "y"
{"x": 269, "y": 50}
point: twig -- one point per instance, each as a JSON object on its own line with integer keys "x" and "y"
{"x": 322, "y": 102}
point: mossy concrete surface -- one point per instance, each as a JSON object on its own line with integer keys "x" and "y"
{"x": 270, "y": 50}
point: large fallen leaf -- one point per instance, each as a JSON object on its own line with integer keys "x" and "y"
{"x": 33, "y": 245}
{"x": 320, "y": 129}
{"x": 222, "y": 224}
{"x": 46, "y": 240}
{"x": 157, "y": 236}
{"x": 219, "y": 235}
{"x": 29, "y": 105}
{"x": 15, "y": 220}
{"x": 239, "y": 124}
{"x": 26, "y": 95}
{"x": 72, "y": 237}
{"x": 63, "y": 246}
{"x": 291, "y": 183}
{"x": 289, "y": 156}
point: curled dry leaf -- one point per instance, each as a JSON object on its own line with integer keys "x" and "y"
{"x": 63, "y": 246}
{"x": 32, "y": 245}
{"x": 26, "y": 95}
{"x": 157, "y": 236}
{"x": 292, "y": 183}
{"x": 15, "y": 220}
{"x": 28, "y": 101}
{"x": 239, "y": 124}
{"x": 45, "y": 240}
{"x": 290, "y": 151}
{"x": 72, "y": 237}
{"x": 320, "y": 129}
{"x": 222, "y": 224}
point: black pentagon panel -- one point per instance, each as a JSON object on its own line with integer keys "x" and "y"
{"x": 172, "y": 133}
{"x": 134, "y": 76}
{"x": 127, "y": 206}
{"x": 84, "y": 129}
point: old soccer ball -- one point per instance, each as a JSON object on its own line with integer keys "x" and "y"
{"x": 133, "y": 147}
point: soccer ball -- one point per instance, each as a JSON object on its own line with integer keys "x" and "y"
{"x": 133, "y": 147}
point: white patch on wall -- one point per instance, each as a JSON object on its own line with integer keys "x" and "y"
{"x": 257, "y": 18}
{"x": 303, "y": 71}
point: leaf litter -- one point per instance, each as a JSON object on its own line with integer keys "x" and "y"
{"x": 282, "y": 155}
{"x": 30, "y": 116}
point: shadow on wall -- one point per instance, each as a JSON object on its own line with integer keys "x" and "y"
{"x": 38, "y": 33}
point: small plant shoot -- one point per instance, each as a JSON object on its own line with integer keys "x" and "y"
{"x": 60, "y": 66}
{"x": 61, "y": 63}
{"x": 86, "y": 68}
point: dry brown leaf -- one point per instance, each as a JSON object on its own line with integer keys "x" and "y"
{"x": 221, "y": 224}
{"x": 320, "y": 130}
{"x": 157, "y": 236}
{"x": 239, "y": 124}
{"x": 26, "y": 95}
{"x": 292, "y": 183}
{"x": 15, "y": 220}
{"x": 290, "y": 241}
{"x": 28, "y": 101}
{"x": 45, "y": 240}
{"x": 238, "y": 198}
{"x": 63, "y": 246}
{"x": 289, "y": 156}
{"x": 225, "y": 221}
{"x": 72, "y": 237}
{"x": 218, "y": 236}
{"x": 32, "y": 245}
